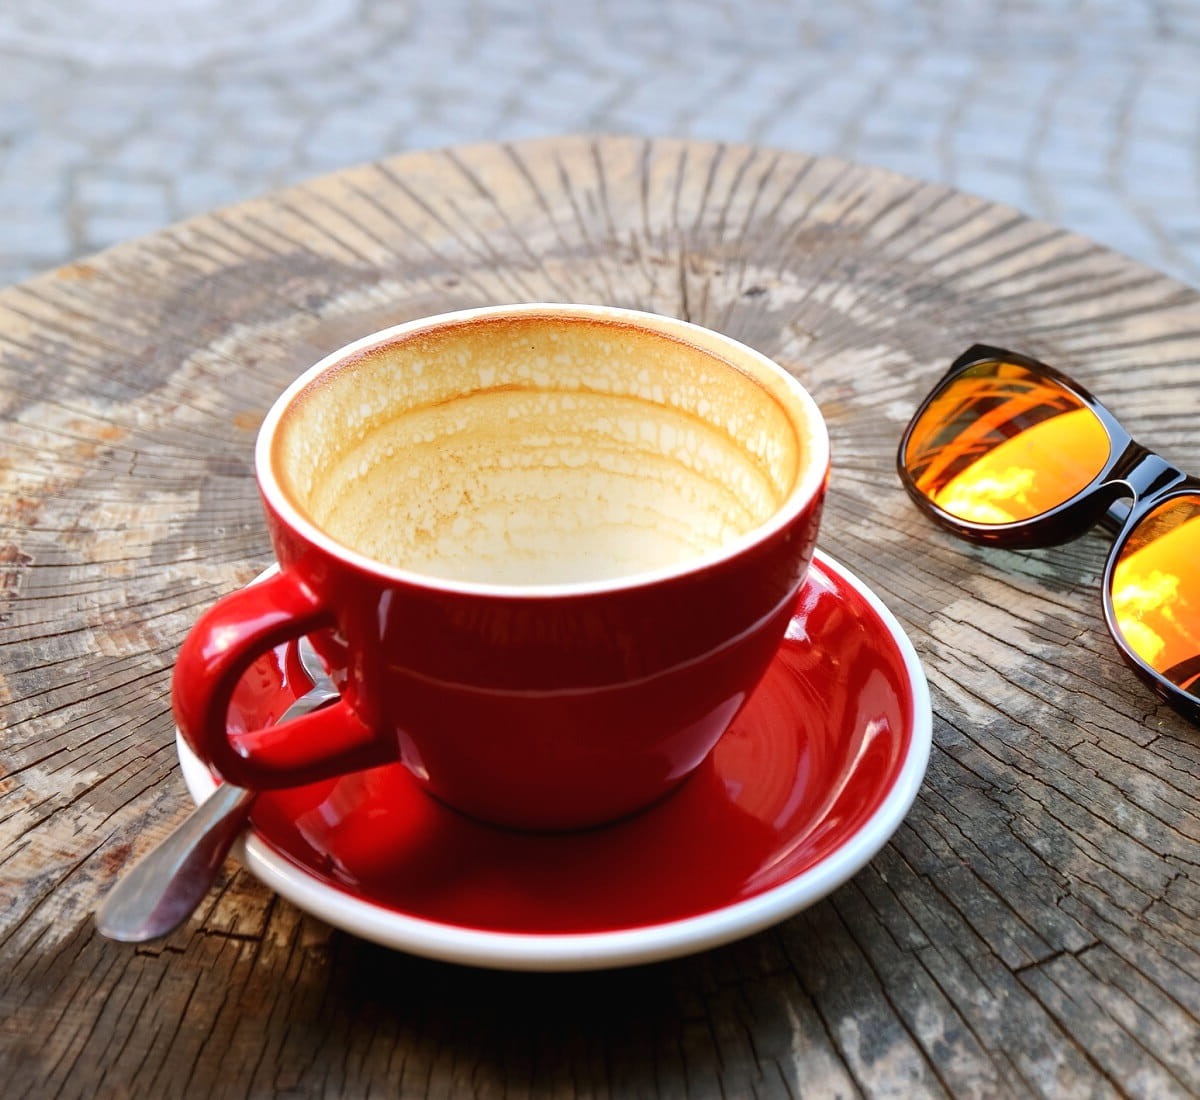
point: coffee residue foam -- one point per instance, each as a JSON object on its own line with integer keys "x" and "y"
{"x": 536, "y": 455}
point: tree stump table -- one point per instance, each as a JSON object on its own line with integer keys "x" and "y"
{"x": 1031, "y": 929}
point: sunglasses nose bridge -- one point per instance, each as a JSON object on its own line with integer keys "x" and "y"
{"x": 1144, "y": 477}
{"x": 1144, "y": 473}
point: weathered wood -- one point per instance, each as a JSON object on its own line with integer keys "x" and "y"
{"x": 1032, "y": 927}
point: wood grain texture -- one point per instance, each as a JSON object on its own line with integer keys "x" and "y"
{"x": 1032, "y": 928}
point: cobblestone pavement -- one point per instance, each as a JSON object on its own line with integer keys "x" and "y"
{"x": 120, "y": 116}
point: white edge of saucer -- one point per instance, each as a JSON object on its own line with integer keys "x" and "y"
{"x": 625, "y": 947}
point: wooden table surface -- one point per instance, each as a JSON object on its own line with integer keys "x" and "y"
{"x": 1032, "y": 927}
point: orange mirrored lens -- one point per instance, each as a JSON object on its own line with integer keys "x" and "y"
{"x": 1156, "y": 591}
{"x": 1002, "y": 444}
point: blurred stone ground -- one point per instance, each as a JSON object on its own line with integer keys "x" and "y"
{"x": 120, "y": 116}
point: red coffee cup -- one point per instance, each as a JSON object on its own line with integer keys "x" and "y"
{"x": 546, "y": 552}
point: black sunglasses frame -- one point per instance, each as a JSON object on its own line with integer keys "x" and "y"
{"x": 1131, "y": 471}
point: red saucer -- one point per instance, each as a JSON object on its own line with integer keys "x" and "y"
{"x": 814, "y": 775}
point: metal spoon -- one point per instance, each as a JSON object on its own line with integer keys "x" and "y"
{"x": 165, "y": 887}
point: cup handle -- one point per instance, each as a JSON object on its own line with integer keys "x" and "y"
{"x": 227, "y": 639}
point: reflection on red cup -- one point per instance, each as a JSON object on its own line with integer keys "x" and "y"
{"x": 546, "y": 551}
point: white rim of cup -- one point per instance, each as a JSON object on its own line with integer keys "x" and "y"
{"x": 813, "y": 475}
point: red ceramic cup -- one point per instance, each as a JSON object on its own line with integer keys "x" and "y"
{"x": 546, "y": 551}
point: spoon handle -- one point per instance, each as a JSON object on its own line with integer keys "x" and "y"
{"x": 165, "y": 887}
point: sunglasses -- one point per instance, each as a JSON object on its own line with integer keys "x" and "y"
{"x": 1010, "y": 452}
